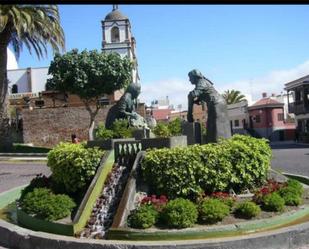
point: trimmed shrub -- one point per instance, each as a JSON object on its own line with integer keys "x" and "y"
{"x": 143, "y": 217}
{"x": 212, "y": 210}
{"x": 296, "y": 185}
{"x": 247, "y": 210}
{"x": 162, "y": 130}
{"x": 102, "y": 133}
{"x": 40, "y": 181}
{"x": 273, "y": 202}
{"x": 73, "y": 165}
{"x": 179, "y": 213}
{"x": 225, "y": 197}
{"x": 291, "y": 196}
{"x": 250, "y": 158}
{"x": 236, "y": 163}
{"x": 121, "y": 129}
{"x": 174, "y": 127}
{"x": 42, "y": 203}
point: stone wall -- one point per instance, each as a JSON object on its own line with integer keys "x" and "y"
{"x": 49, "y": 126}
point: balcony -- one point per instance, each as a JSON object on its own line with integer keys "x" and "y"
{"x": 299, "y": 108}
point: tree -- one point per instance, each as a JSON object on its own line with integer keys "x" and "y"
{"x": 34, "y": 26}
{"x": 89, "y": 75}
{"x": 233, "y": 96}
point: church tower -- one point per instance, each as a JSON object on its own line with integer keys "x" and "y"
{"x": 117, "y": 37}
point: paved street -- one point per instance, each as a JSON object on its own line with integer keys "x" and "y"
{"x": 13, "y": 174}
{"x": 291, "y": 157}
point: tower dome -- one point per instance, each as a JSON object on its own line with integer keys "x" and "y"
{"x": 115, "y": 14}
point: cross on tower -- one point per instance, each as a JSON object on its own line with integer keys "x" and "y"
{"x": 115, "y": 7}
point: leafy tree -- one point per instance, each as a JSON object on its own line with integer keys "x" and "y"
{"x": 34, "y": 26}
{"x": 233, "y": 96}
{"x": 90, "y": 75}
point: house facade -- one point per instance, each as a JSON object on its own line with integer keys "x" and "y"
{"x": 266, "y": 119}
{"x": 298, "y": 101}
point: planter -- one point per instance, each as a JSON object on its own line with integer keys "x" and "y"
{"x": 164, "y": 142}
{"x": 107, "y": 144}
{"x": 84, "y": 210}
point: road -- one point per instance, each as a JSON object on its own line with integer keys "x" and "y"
{"x": 291, "y": 157}
{"x": 13, "y": 174}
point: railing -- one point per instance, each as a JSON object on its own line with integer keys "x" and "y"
{"x": 298, "y": 108}
{"x": 126, "y": 151}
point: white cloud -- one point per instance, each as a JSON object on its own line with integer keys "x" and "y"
{"x": 272, "y": 82}
{"x": 178, "y": 89}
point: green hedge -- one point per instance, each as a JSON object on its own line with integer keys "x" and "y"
{"x": 46, "y": 205}
{"x": 239, "y": 163}
{"x": 73, "y": 165}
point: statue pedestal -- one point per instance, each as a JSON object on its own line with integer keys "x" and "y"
{"x": 193, "y": 132}
{"x": 141, "y": 133}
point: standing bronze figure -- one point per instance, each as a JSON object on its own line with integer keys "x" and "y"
{"x": 217, "y": 121}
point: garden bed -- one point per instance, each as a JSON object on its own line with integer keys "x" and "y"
{"x": 70, "y": 226}
{"x": 229, "y": 226}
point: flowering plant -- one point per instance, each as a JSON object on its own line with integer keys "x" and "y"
{"x": 268, "y": 188}
{"x": 158, "y": 203}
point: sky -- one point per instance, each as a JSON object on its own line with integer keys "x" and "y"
{"x": 251, "y": 48}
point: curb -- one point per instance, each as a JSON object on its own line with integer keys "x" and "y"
{"x": 23, "y": 154}
{"x": 22, "y": 159}
{"x": 13, "y": 236}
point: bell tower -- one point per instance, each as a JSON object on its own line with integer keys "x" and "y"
{"x": 117, "y": 37}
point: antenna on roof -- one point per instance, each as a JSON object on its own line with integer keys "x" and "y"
{"x": 115, "y": 7}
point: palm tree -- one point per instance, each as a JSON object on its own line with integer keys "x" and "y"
{"x": 34, "y": 26}
{"x": 233, "y": 96}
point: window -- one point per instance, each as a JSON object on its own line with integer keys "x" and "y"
{"x": 258, "y": 119}
{"x": 280, "y": 117}
{"x": 115, "y": 34}
{"x": 236, "y": 123}
{"x": 14, "y": 88}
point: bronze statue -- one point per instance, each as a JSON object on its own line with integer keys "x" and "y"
{"x": 217, "y": 121}
{"x": 125, "y": 109}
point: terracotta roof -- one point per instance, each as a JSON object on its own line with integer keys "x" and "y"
{"x": 266, "y": 102}
{"x": 161, "y": 114}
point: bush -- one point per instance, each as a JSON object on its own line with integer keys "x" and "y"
{"x": 174, "y": 127}
{"x": 250, "y": 158}
{"x": 179, "y": 213}
{"x": 162, "y": 130}
{"x": 40, "y": 181}
{"x": 212, "y": 210}
{"x": 143, "y": 217}
{"x": 247, "y": 210}
{"x": 102, "y": 133}
{"x": 73, "y": 165}
{"x": 273, "y": 202}
{"x": 291, "y": 196}
{"x": 42, "y": 203}
{"x": 225, "y": 198}
{"x": 121, "y": 129}
{"x": 296, "y": 185}
{"x": 235, "y": 163}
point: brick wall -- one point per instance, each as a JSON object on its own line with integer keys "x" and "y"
{"x": 49, "y": 126}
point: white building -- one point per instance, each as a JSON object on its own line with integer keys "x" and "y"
{"x": 27, "y": 80}
{"x": 117, "y": 37}
{"x": 238, "y": 116}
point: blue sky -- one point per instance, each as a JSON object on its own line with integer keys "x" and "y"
{"x": 252, "y": 48}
